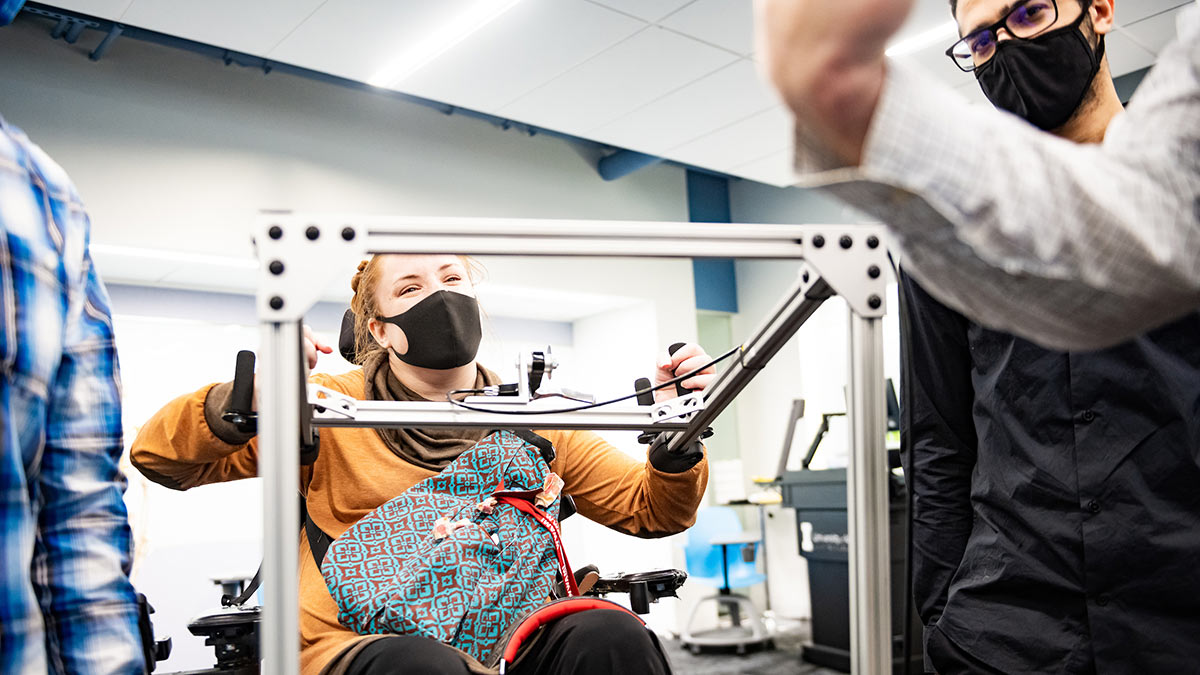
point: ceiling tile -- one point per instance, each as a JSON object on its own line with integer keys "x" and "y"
{"x": 750, "y": 139}
{"x": 103, "y": 9}
{"x": 356, "y": 38}
{"x": 1154, "y": 33}
{"x": 641, "y": 69}
{"x": 530, "y": 45}
{"x": 925, "y": 14}
{"x": 726, "y": 96}
{"x": 250, "y": 27}
{"x": 934, "y": 62}
{"x": 774, "y": 169}
{"x": 1132, "y": 11}
{"x": 728, "y": 24}
{"x": 649, "y": 10}
{"x": 1125, "y": 55}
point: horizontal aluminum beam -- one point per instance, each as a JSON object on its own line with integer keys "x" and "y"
{"x": 407, "y": 415}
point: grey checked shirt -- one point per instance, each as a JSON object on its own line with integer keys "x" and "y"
{"x": 1073, "y": 246}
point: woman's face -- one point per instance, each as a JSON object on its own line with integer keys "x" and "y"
{"x": 405, "y": 280}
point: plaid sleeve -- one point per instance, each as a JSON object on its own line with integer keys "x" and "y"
{"x": 1074, "y": 246}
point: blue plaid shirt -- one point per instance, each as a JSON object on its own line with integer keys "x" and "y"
{"x": 66, "y": 604}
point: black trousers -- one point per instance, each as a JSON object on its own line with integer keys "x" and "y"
{"x": 595, "y": 642}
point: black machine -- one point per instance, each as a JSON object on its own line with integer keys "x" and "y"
{"x": 819, "y": 499}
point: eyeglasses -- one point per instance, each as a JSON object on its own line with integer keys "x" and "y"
{"x": 1025, "y": 20}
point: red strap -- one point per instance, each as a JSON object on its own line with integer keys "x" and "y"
{"x": 552, "y": 611}
{"x": 564, "y": 568}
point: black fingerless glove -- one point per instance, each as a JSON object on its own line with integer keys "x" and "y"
{"x": 672, "y": 462}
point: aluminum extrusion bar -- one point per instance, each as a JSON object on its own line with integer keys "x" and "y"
{"x": 278, "y": 458}
{"x": 405, "y": 415}
{"x": 779, "y": 327}
{"x": 867, "y": 499}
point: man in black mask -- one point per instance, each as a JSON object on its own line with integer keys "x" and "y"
{"x": 1057, "y": 514}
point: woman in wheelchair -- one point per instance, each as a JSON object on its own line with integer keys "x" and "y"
{"x": 417, "y": 331}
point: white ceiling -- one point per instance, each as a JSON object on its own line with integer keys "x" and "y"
{"x": 673, "y": 78}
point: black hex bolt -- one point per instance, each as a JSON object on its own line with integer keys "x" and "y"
{"x": 276, "y": 302}
{"x": 874, "y": 302}
{"x": 312, "y": 232}
{"x": 348, "y": 233}
{"x": 276, "y": 232}
{"x": 873, "y": 271}
{"x": 872, "y": 242}
{"x": 818, "y": 241}
{"x": 845, "y": 241}
{"x": 276, "y": 267}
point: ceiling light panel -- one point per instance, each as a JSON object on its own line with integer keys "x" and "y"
{"x": 717, "y": 100}
{"x": 532, "y": 44}
{"x": 647, "y": 10}
{"x": 250, "y": 27}
{"x": 631, "y": 74}
{"x": 355, "y": 38}
{"x": 728, "y": 24}
{"x": 1132, "y": 11}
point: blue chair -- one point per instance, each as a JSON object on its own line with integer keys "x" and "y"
{"x": 720, "y": 554}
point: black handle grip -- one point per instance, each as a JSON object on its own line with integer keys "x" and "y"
{"x": 242, "y": 397}
{"x": 642, "y": 385}
{"x": 680, "y": 390}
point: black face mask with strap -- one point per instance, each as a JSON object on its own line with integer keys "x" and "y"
{"x": 1043, "y": 79}
{"x": 443, "y": 331}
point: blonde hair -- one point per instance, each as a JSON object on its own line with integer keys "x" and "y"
{"x": 365, "y": 303}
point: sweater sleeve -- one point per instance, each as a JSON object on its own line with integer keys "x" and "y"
{"x": 618, "y": 491}
{"x": 177, "y": 448}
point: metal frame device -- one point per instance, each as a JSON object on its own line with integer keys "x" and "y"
{"x": 300, "y": 254}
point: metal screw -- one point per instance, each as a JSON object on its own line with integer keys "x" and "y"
{"x": 845, "y": 241}
{"x": 873, "y": 271}
{"x": 312, "y": 232}
{"x": 348, "y": 233}
{"x": 818, "y": 241}
{"x": 276, "y": 302}
{"x": 276, "y": 267}
{"x": 804, "y": 277}
{"x": 874, "y": 302}
{"x": 872, "y": 242}
{"x": 276, "y": 232}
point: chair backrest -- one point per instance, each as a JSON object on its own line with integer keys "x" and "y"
{"x": 703, "y": 558}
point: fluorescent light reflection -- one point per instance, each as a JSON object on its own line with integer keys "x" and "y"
{"x": 420, "y": 54}
{"x": 943, "y": 31}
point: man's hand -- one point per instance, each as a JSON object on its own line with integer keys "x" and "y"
{"x": 826, "y": 59}
{"x": 686, "y": 359}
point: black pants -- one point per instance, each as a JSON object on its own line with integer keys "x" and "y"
{"x": 595, "y": 642}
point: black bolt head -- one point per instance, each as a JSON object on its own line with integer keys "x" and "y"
{"x": 348, "y": 233}
{"x": 845, "y": 241}
{"x": 873, "y": 271}
{"x": 874, "y": 302}
{"x": 276, "y": 232}
{"x": 872, "y": 242}
{"x": 312, "y": 232}
{"x": 276, "y": 267}
{"x": 276, "y": 302}
{"x": 804, "y": 277}
{"x": 818, "y": 241}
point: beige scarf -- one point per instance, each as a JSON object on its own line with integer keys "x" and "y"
{"x": 432, "y": 449}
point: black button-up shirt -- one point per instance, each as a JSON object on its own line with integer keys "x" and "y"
{"x": 1056, "y": 495}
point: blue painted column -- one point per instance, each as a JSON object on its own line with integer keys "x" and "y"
{"x": 708, "y": 202}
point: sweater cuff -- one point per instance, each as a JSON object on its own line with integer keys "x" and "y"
{"x": 215, "y": 404}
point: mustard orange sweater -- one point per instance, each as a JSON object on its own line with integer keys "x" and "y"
{"x": 355, "y": 472}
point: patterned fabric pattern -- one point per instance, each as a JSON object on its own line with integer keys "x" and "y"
{"x": 66, "y": 604}
{"x": 390, "y": 573}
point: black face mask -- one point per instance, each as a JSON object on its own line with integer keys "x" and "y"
{"x": 443, "y": 331}
{"x": 1044, "y": 79}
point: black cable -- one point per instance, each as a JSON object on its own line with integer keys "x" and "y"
{"x": 906, "y": 447}
{"x": 668, "y": 383}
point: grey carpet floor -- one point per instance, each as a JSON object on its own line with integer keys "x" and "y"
{"x": 783, "y": 660}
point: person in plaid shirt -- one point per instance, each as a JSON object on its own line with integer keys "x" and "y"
{"x": 66, "y": 602}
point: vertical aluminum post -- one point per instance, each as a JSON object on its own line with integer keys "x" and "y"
{"x": 870, "y": 563}
{"x": 279, "y": 466}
